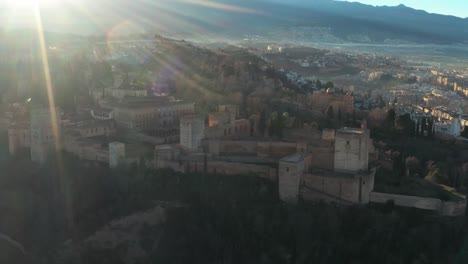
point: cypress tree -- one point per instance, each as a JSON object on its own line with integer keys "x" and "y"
{"x": 339, "y": 115}
{"x": 417, "y": 129}
{"x": 330, "y": 113}
{"x": 423, "y": 126}
{"x": 262, "y": 123}
{"x": 430, "y": 128}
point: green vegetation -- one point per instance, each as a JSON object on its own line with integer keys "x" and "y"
{"x": 465, "y": 132}
{"x": 390, "y": 182}
{"x": 306, "y": 234}
{"x": 418, "y": 158}
{"x": 277, "y": 124}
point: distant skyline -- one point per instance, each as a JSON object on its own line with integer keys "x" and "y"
{"x": 457, "y": 8}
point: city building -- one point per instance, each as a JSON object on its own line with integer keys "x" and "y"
{"x": 451, "y": 129}
{"x": 149, "y": 113}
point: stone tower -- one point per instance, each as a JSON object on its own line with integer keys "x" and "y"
{"x": 116, "y": 154}
{"x": 119, "y": 80}
{"x": 43, "y": 139}
{"x": 232, "y": 110}
{"x": 456, "y": 126}
{"x": 352, "y": 150}
{"x": 290, "y": 172}
{"x": 192, "y": 131}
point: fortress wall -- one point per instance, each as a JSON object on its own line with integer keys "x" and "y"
{"x": 345, "y": 188}
{"x": 238, "y": 147}
{"x": 277, "y": 149}
{"x": 234, "y": 168}
{"x": 408, "y": 201}
{"x": 323, "y": 157}
{"x": 453, "y": 208}
{"x": 260, "y": 149}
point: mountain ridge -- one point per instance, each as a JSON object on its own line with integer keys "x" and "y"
{"x": 343, "y": 21}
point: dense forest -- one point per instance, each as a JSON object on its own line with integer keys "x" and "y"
{"x": 226, "y": 219}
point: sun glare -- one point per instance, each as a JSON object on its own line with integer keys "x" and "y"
{"x": 31, "y": 3}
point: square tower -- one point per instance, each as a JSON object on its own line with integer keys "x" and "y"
{"x": 116, "y": 154}
{"x": 192, "y": 131}
{"x": 290, "y": 172}
{"x": 43, "y": 139}
{"x": 352, "y": 150}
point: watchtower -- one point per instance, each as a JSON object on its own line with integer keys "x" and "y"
{"x": 192, "y": 131}
{"x": 290, "y": 172}
{"x": 116, "y": 154}
{"x": 352, "y": 150}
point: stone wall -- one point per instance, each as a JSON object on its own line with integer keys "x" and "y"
{"x": 226, "y": 147}
{"x": 233, "y": 168}
{"x": 407, "y": 201}
{"x": 253, "y": 148}
{"x": 328, "y": 134}
{"x": 279, "y": 149}
{"x": 234, "y": 130}
{"x": 351, "y": 188}
{"x": 453, "y": 208}
{"x": 323, "y": 156}
{"x": 345, "y": 188}
{"x": 432, "y": 204}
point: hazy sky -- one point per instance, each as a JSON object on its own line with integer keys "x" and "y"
{"x": 447, "y": 7}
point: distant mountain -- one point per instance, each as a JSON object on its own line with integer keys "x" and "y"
{"x": 311, "y": 20}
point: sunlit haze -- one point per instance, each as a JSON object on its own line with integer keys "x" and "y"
{"x": 233, "y": 131}
{"x": 29, "y": 3}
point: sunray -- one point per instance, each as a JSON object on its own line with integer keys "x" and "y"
{"x": 225, "y": 7}
{"x": 47, "y": 77}
{"x": 62, "y": 180}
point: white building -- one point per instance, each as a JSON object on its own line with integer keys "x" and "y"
{"x": 452, "y": 129}
{"x": 116, "y": 154}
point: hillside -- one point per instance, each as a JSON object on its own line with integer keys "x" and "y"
{"x": 212, "y": 77}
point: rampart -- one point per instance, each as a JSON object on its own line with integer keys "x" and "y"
{"x": 432, "y": 204}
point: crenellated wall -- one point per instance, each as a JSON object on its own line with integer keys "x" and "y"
{"x": 432, "y": 204}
